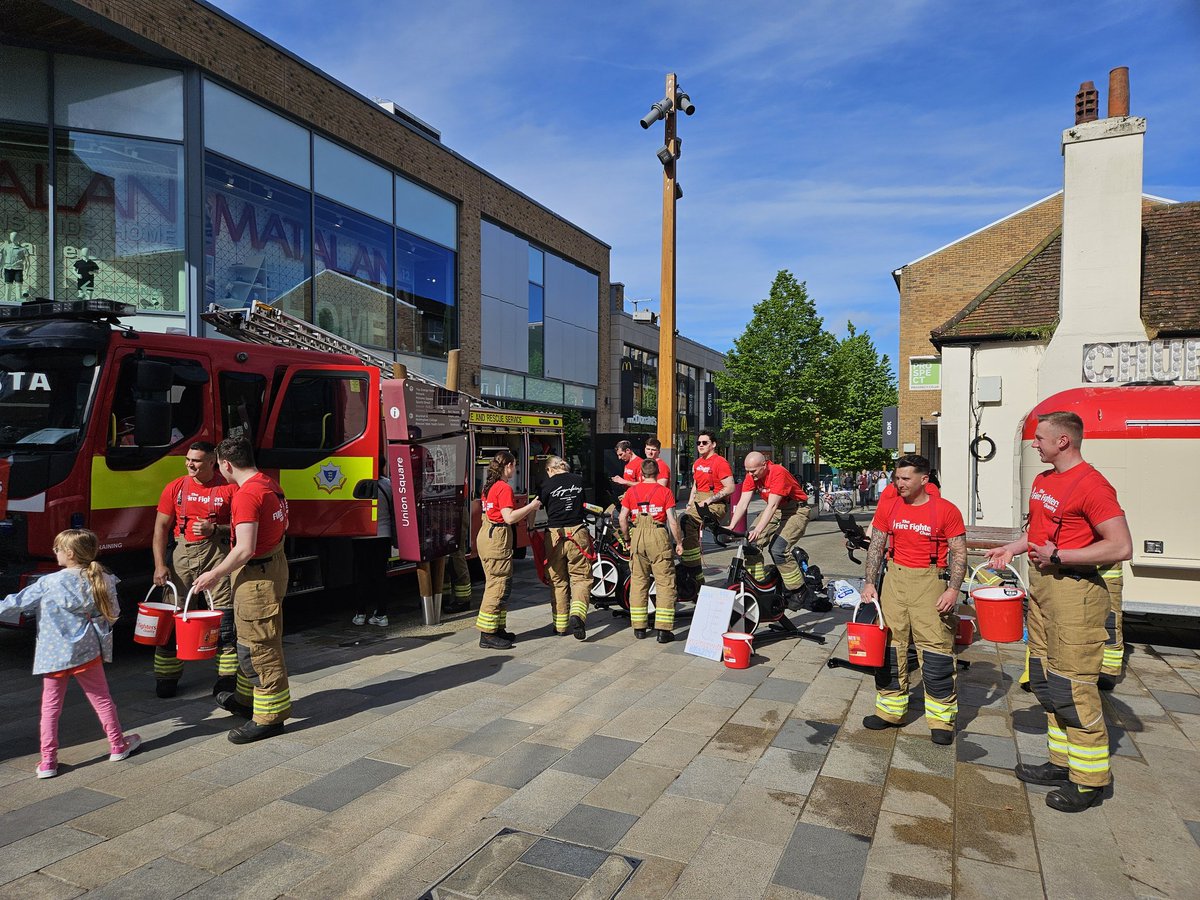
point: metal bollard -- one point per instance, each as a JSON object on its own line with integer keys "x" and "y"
{"x": 431, "y": 610}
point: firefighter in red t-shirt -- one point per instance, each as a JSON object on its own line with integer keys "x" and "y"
{"x": 780, "y": 525}
{"x": 258, "y": 574}
{"x": 495, "y": 543}
{"x": 712, "y": 486}
{"x": 652, "y": 554}
{"x": 924, "y": 538}
{"x": 654, "y": 452}
{"x": 194, "y": 509}
{"x": 631, "y": 474}
{"x": 1076, "y": 527}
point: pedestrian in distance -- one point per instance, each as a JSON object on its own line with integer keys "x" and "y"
{"x": 779, "y": 527}
{"x": 654, "y": 452}
{"x": 194, "y": 511}
{"x": 494, "y": 544}
{"x": 924, "y": 538}
{"x": 652, "y": 508}
{"x": 258, "y": 574}
{"x": 1076, "y": 528}
{"x": 75, "y": 609}
{"x": 881, "y": 484}
{"x": 568, "y": 547}
{"x": 712, "y": 486}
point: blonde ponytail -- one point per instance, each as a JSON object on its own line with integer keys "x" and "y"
{"x": 83, "y": 546}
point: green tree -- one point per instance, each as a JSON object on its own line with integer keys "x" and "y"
{"x": 776, "y": 381}
{"x": 851, "y": 435}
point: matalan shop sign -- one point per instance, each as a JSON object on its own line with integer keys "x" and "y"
{"x": 1175, "y": 360}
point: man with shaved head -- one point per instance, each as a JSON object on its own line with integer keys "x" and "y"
{"x": 780, "y": 526}
{"x": 1076, "y": 529}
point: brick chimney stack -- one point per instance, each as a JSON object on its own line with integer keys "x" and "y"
{"x": 1118, "y": 92}
{"x": 1087, "y": 103}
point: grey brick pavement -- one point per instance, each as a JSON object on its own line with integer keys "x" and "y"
{"x": 410, "y": 751}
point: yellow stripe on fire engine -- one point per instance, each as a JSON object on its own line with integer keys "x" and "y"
{"x": 133, "y": 488}
{"x": 333, "y": 478}
{"x": 488, "y": 417}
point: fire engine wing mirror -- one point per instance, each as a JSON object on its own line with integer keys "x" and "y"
{"x": 153, "y": 377}
{"x": 152, "y": 422}
{"x": 366, "y": 489}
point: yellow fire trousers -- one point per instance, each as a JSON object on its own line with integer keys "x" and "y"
{"x": 693, "y": 530}
{"x": 780, "y": 538}
{"x": 570, "y": 573}
{"x": 494, "y": 544}
{"x": 1066, "y": 649}
{"x": 909, "y": 604}
{"x": 262, "y": 681}
{"x": 652, "y": 560}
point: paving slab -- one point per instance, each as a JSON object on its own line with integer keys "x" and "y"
{"x": 711, "y": 778}
{"x": 786, "y": 770}
{"x": 340, "y": 787}
{"x": 594, "y": 826}
{"x": 520, "y": 765}
{"x": 597, "y": 756}
{"x": 913, "y": 846}
{"x": 823, "y": 862}
{"x": 545, "y": 799}
{"x": 54, "y": 810}
{"x": 849, "y": 806}
{"x": 809, "y": 735}
{"x": 161, "y": 879}
{"x": 632, "y": 787}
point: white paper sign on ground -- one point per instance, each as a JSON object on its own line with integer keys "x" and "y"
{"x": 714, "y": 607}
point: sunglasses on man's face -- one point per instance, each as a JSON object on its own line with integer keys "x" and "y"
{"x": 703, "y": 443}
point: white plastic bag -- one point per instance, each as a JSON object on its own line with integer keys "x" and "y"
{"x": 844, "y": 594}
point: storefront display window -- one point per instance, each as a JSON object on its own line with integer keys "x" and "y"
{"x": 426, "y": 314}
{"x": 256, "y": 239}
{"x": 352, "y": 261}
{"x": 24, "y": 225}
{"x": 119, "y": 221}
{"x": 644, "y": 375}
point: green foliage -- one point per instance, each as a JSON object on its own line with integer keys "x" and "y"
{"x": 864, "y": 385}
{"x": 777, "y": 379}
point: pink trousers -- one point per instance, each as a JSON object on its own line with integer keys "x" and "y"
{"x": 95, "y": 688}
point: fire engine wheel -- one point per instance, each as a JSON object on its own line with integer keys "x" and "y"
{"x": 745, "y": 612}
{"x": 604, "y": 578}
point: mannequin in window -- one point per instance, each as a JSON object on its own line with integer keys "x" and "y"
{"x": 13, "y": 257}
{"x": 85, "y": 272}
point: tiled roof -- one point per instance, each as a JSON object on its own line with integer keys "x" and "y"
{"x": 1023, "y": 302}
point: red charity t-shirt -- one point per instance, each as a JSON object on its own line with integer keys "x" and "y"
{"x": 664, "y": 471}
{"x": 917, "y": 530}
{"x": 656, "y": 497}
{"x": 776, "y": 480}
{"x": 499, "y": 496}
{"x": 707, "y": 474}
{"x": 187, "y": 499}
{"x": 261, "y": 500}
{"x": 1090, "y": 500}
{"x": 633, "y": 469}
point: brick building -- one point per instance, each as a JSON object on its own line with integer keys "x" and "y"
{"x": 189, "y": 160}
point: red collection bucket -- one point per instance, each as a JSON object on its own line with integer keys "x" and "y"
{"x": 1001, "y": 610}
{"x": 738, "y": 648}
{"x": 965, "y": 636}
{"x": 866, "y": 642}
{"x": 537, "y": 544}
{"x": 197, "y": 632}
{"x": 155, "y": 620}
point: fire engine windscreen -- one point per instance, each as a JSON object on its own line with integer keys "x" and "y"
{"x": 44, "y": 398}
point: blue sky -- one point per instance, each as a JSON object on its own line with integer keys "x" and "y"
{"x": 839, "y": 139}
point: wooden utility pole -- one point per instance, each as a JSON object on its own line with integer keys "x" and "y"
{"x": 666, "y": 311}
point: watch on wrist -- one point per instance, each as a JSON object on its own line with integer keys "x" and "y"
{"x": 1054, "y": 558}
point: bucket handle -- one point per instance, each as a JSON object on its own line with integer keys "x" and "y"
{"x": 984, "y": 565}
{"x": 169, "y": 584}
{"x": 878, "y": 612}
{"x": 187, "y": 601}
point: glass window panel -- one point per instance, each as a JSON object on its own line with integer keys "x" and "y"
{"x": 101, "y": 95}
{"x": 539, "y": 391}
{"x": 256, "y": 239}
{"x": 502, "y": 384}
{"x": 421, "y": 211}
{"x": 352, "y": 265}
{"x": 537, "y": 333}
{"x": 348, "y": 178}
{"x": 322, "y": 412}
{"x": 119, "y": 221}
{"x": 537, "y": 262}
{"x": 23, "y": 85}
{"x": 242, "y": 130}
{"x": 578, "y": 395}
{"x": 24, "y": 224}
{"x": 426, "y": 314}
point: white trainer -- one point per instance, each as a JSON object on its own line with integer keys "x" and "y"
{"x": 381, "y": 621}
{"x": 359, "y": 619}
{"x": 133, "y": 741}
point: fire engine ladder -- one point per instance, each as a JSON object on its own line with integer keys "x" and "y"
{"x": 261, "y": 323}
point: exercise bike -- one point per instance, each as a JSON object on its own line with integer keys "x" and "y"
{"x": 762, "y": 601}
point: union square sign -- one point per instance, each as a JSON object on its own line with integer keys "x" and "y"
{"x": 1176, "y": 360}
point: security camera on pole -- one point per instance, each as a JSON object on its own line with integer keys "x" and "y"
{"x": 668, "y": 154}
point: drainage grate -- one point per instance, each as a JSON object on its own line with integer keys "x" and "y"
{"x": 515, "y": 864}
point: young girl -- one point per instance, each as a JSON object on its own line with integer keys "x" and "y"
{"x": 75, "y": 609}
